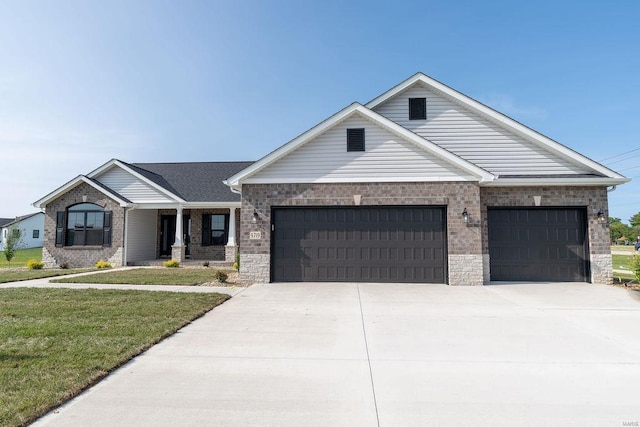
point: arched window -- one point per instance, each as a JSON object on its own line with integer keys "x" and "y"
{"x": 87, "y": 224}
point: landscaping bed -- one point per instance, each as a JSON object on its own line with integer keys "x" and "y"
{"x": 158, "y": 276}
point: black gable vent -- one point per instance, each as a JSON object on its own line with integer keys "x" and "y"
{"x": 417, "y": 108}
{"x": 355, "y": 139}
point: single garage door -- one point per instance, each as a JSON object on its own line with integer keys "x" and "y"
{"x": 538, "y": 244}
{"x": 359, "y": 244}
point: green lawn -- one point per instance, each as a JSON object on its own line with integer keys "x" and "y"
{"x": 21, "y": 257}
{"x": 56, "y": 342}
{"x": 621, "y": 262}
{"x": 147, "y": 276}
{"x": 19, "y": 275}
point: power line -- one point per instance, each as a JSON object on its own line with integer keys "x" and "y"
{"x": 628, "y": 169}
{"x": 622, "y": 160}
{"x": 621, "y": 154}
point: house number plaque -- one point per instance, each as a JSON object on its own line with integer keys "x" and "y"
{"x": 255, "y": 235}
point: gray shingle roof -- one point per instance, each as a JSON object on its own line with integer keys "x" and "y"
{"x": 5, "y": 221}
{"x": 194, "y": 182}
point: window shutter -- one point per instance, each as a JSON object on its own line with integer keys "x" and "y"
{"x": 106, "y": 237}
{"x": 417, "y": 108}
{"x": 226, "y": 229}
{"x": 206, "y": 230}
{"x": 59, "y": 229}
{"x": 355, "y": 139}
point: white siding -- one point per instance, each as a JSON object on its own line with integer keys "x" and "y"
{"x": 142, "y": 234}
{"x": 27, "y": 226}
{"x": 131, "y": 187}
{"x": 473, "y": 137}
{"x": 387, "y": 157}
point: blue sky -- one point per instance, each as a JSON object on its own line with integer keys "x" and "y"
{"x": 82, "y": 82}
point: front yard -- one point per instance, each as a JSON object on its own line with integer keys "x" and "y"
{"x": 56, "y": 342}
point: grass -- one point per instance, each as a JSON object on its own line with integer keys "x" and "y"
{"x": 623, "y": 248}
{"x": 21, "y": 257}
{"x": 622, "y": 261}
{"x": 19, "y": 275}
{"x": 56, "y": 342}
{"x": 147, "y": 276}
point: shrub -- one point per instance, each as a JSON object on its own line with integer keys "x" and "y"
{"x": 236, "y": 265}
{"x": 220, "y": 276}
{"x": 34, "y": 264}
{"x": 103, "y": 264}
{"x": 64, "y": 266}
{"x": 205, "y": 264}
{"x": 172, "y": 263}
{"x": 635, "y": 267}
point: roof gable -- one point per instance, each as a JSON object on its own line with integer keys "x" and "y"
{"x": 446, "y": 159}
{"x": 548, "y": 147}
{"x": 41, "y": 203}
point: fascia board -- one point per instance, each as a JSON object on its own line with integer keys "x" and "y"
{"x": 72, "y": 184}
{"x": 524, "y": 182}
{"x": 498, "y": 117}
{"x": 116, "y": 162}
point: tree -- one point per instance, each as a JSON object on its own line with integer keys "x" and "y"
{"x": 618, "y": 230}
{"x": 635, "y": 220}
{"x": 12, "y": 243}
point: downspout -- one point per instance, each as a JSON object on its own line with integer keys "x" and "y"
{"x": 612, "y": 189}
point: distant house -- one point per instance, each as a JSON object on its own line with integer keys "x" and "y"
{"x": 421, "y": 184}
{"x": 32, "y": 227}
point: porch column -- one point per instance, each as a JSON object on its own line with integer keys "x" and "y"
{"x": 231, "y": 250}
{"x": 177, "y": 250}
{"x": 232, "y": 227}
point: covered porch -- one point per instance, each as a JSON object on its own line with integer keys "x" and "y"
{"x": 188, "y": 234}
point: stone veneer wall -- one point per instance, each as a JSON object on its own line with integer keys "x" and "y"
{"x": 593, "y": 198}
{"x": 196, "y": 250}
{"x": 82, "y": 256}
{"x": 464, "y": 240}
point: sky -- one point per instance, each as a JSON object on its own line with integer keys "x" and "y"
{"x": 82, "y": 82}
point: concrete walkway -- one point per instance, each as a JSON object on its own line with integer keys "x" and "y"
{"x": 46, "y": 283}
{"x": 392, "y": 355}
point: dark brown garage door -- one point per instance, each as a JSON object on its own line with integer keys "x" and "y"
{"x": 382, "y": 244}
{"x": 538, "y": 244}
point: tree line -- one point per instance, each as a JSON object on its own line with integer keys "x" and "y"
{"x": 621, "y": 232}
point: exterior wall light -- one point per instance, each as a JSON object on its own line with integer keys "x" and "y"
{"x": 601, "y": 217}
{"x": 465, "y": 216}
{"x": 256, "y": 217}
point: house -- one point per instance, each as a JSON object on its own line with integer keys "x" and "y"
{"x": 32, "y": 227}
{"x": 130, "y": 213}
{"x": 421, "y": 184}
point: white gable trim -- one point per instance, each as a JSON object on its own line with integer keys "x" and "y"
{"x": 42, "y": 203}
{"x": 499, "y": 118}
{"x": 117, "y": 163}
{"x": 482, "y": 175}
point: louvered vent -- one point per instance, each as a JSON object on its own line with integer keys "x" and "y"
{"x": 355, "y": 139}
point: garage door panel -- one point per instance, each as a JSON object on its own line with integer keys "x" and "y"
{"x": 398, "y": 244}
{"x": 538, "y": 244}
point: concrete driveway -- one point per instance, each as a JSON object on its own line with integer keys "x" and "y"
{"x": 390, "y": 355}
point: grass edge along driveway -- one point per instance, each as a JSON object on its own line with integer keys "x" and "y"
{"x": 55, "y": 343}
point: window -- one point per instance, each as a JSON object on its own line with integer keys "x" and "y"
{"x": 87, "y": 225}
{"x": 355, "y": 139}
{"x": 417, "y": 108}
{"x": 215, "y": 229}
{"x": 36, "y": 234}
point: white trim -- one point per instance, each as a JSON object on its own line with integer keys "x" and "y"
{"x": 237, "y": 180}
{"x": 357, "y": 179}
{"x": 41, "y": 203}
{"x": 497, "y": 117}
{"x": 523, "y": 182}
{"x": 115, "y": 162}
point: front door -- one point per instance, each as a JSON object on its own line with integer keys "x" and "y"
{"x": 168, "y": 233}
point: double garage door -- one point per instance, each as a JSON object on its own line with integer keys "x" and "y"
{"x": 359, "y": 244}
{"x": 538, "y": 244}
